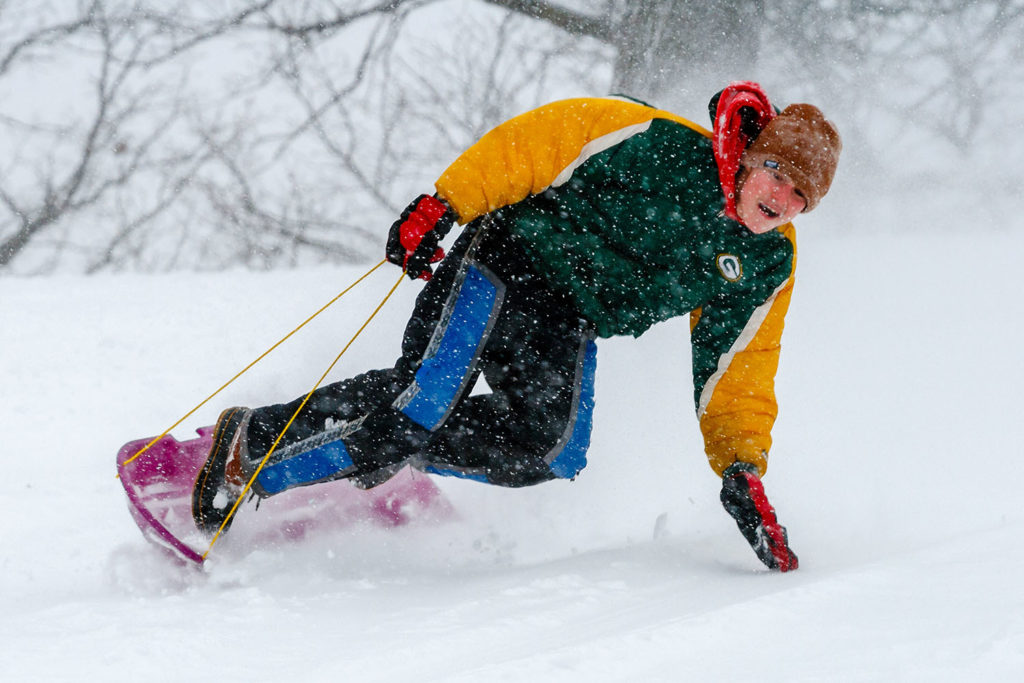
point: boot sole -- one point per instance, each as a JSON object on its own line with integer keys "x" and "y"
{"x": 209, "y": 518}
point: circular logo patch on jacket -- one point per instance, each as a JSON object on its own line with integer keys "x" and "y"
{"x": 730, "y": 267}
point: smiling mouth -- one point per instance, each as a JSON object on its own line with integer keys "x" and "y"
{"x": 768, "y": 211}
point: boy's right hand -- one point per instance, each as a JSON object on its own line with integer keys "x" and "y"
{"x": 413, "y": 239}
{"x": 744, "y": 498}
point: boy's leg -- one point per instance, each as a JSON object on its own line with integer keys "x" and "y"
{"x": 350, "y": 428}
{"x": 538, "y": 357}
{"x": 539, "y": 363}
{"x": 485, "y": 310}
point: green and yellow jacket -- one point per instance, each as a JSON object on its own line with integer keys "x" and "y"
{"x": 620, "y": 205}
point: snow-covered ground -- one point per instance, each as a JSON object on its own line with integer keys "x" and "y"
{"x": 897, "y": 469}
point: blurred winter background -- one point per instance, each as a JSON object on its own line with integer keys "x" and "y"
{"x": 149, "y": 136}
{"x": 182, "y": 182}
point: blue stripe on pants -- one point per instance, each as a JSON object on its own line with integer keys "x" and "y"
{"x": 448, "y": 472}
{"x": 573, "y": 456}
{"x": 305, "y": 468}
{"x": 441, "y": 377}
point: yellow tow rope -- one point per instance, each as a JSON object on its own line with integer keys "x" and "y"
{"x": 302, "y": 405}
{"x": 261, "y": 357}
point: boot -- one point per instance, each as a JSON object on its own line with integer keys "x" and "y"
{"x": 220, "y": 482}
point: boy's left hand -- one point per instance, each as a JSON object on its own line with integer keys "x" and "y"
{"x": 744, "y": 498}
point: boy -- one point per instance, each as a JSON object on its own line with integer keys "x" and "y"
{"x": 585, "y": 218}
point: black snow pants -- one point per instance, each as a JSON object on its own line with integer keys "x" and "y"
{"x": 485, "y": 312}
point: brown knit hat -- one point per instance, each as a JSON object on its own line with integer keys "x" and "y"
{"x": 803, "y": 146}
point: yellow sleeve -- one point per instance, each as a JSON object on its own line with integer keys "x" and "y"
{"x": 528, "y": 153}
{"x": 738, "y": 406}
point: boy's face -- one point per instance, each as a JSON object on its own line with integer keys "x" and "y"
{"x": 768, "y": 199}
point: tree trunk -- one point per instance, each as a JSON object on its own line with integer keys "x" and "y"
{"x": 677, "y": 53}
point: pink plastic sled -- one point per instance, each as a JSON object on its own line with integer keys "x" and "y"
{"x": 159, "y": 488}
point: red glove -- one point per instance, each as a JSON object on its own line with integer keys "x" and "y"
{"x": 413, "y": 238}
{"x": 744, "y": 498}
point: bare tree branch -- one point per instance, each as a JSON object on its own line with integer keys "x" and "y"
{"x": 46, "y": 35}
{"x": 575, "y": 23}
{"x": 341, "y": 19}
{"x": 201, "y": 34}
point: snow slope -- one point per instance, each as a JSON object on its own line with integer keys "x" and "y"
{"x": 896, "y": 468}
